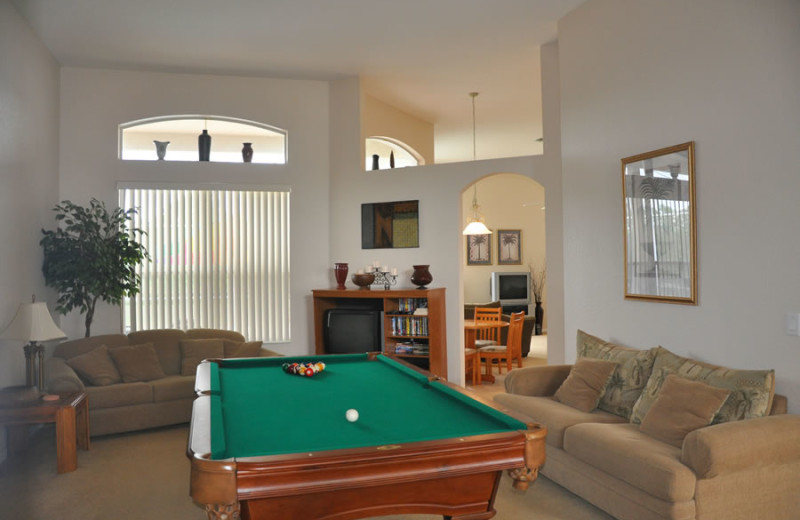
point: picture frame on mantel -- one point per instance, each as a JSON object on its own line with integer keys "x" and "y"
{"x": 479, "y": 249}
{"x": 509, "y": 246}
{"x": 659, "y": 225}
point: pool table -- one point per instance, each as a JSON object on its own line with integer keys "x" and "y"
{"x": 265, "y": 444}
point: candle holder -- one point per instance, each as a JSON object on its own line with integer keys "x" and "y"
{"x": 384, "y": 278}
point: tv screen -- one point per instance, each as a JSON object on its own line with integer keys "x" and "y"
{"x": 352, "y": 331}
{"x": 513, "y": 287}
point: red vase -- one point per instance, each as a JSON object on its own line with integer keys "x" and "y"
{"x": 421, "y": 276}
{"x": 340, "y": 271}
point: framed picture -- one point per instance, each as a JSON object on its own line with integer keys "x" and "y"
{"x": 479, "y": 249}
{"x": 659, "y": 225}
{"x": 509, "y": 246}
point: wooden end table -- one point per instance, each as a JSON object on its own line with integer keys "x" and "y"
{"x": 70, "y": 413}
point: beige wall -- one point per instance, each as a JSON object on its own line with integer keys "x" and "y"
{"x": 507, "y": 201}
{"x": 384, "y": 120}
{"x": 28, "y": 176}
{"x": 638, "y": 76}
{"x": 95, "y": 101}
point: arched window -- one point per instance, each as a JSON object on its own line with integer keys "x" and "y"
{"x": 384, "y": 147}
{"x": 137, "y": 139}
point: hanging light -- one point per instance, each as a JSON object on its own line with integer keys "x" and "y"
{"x": 475, "y": 225}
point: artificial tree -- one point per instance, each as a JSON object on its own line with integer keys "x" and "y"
{"x": 92, "y": 255}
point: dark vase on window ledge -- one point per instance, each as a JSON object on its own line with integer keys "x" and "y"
{"x": 247, "y": 152}
{"x": 204, "y": 145}
{"x": 538, "y": 312}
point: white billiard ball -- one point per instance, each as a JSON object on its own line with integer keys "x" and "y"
{"x": 351, "y": 415}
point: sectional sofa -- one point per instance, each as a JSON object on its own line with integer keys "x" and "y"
{"x": 649, "y": 435}
{"x": 141, "y": 380}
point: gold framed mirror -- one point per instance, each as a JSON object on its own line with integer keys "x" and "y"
{"x": 659, "y": 225}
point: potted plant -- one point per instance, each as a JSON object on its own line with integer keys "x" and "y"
{"x": 92, "y": 255}
{"x": 538, "y": 277}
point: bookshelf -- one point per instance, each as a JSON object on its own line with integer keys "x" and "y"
{"x": 413, "y": 322}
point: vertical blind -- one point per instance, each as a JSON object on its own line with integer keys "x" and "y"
{"x": 219, "y": 259}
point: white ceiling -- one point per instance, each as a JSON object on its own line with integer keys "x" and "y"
{"x": 422, "y": 56}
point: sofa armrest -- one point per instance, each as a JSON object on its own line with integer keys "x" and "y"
{"x": 539, "y": 381}
{"x": 60, "y": 378}
{"x": 740, "y": 445}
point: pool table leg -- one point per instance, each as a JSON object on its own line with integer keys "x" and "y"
{"x": 223, "y": 512}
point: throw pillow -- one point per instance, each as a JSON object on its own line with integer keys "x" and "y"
{"x": 630, "y": 377}
{"x": 137, "y": 362}
{"x": 681, "y": 407}
{"x": 751, "y": 395}
{"x": 193, "y": 351}
{"x": 585, "y": 383}
{"x": 96, "y": 367}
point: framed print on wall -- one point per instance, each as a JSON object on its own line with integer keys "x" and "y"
{"x": 509, "y": 246}
{"x": 659, "y": 225}
{"x": 479, "y": 249}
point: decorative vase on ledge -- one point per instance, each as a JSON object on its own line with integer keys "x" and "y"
{"x": 340, "y": 271}
{"x": 161, "y": 149}
{"x": 204, "y": 146}
{"x": 247, "y": 152}
{"x": 421, "y": 276}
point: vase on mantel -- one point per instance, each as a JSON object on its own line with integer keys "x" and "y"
{"x": 538, "y": 313}
{"x": 421, "y": 276}
{"x": 340, "y": 272}
{"x": 247, "y": 152}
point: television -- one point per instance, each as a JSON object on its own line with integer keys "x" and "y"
{"x": 353, "y": 331}
{"x": 511, "y": 289}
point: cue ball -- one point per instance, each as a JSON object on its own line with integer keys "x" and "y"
{"x": 351, "y": 415}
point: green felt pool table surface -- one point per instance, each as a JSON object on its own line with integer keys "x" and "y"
{"x": 257, "y": 409}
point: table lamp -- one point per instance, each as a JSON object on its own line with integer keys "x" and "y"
{"x": 33, "y": 324}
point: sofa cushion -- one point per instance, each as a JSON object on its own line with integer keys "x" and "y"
{"x": 751, "y": 394}
{"x": 193, "y": 351}
{"x": 557, "y": 417}
{"x": 171, "y": 388}
{"x": 76, "y": 347}
{"x": 167, "y": 343}
{"x": 96, "y": 367}
{"x": 585, "y": 383}
{"x": 628, "y": 380}
{"x": 122, "y": 394}
{"x": 240, "y": 350}
{"x": 625, "y": 453}
{"x": 682, "y": 406}
{"x": 137, "y": 363}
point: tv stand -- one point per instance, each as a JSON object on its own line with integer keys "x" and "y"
{"x": 403, "y": 329}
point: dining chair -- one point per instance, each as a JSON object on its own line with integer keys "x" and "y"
{"x": 489, "y": 336}
{"x": 509, "y": 352}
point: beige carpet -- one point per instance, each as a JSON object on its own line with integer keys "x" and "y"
{"x": 146, "y": 475}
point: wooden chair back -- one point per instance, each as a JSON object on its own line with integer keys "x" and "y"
{"x": 488, "y": 314}
{"x": 514, "y": 343}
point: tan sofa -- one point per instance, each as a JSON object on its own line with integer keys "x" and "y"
{"x": 744, "y": 465}
{"x": 142, "y": 380}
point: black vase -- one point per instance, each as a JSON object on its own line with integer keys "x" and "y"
{"x": 375, "y": 158}
{"x": 538, "y": 312}
{"x": 204, "y": 145}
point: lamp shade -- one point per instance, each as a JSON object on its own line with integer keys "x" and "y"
{"x": 476, "y": 227}
{"x": 32, "y": 323}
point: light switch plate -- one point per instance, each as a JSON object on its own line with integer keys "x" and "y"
{"x": 792, "y": 324}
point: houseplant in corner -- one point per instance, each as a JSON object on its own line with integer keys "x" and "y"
{"x": 538, "y": 277}
{"x": 91, "y": 255}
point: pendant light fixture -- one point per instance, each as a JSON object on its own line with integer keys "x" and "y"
{"x": 475, "y": 225}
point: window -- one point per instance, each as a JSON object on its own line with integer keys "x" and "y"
{"x": 228, "y": 135}
{"x": 219, "y": 259}
{"x": 384, "y": 147}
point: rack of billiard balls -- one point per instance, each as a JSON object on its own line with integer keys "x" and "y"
{"x": 304, "y": 369}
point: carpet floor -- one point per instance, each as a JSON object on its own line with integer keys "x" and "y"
{"x": 146, "y": 475}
